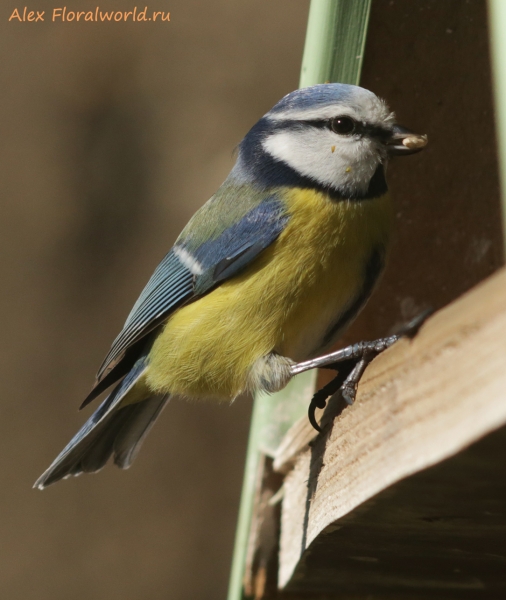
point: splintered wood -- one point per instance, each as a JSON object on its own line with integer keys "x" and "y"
{"x": 419, "y": 403}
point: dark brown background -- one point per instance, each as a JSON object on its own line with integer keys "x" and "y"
{"x": 111, "y": 136}
{"x": 429, "y": 59}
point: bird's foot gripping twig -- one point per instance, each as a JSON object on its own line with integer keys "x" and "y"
{"x": 351, "y": 362}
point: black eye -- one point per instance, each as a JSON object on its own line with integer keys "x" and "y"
{"x": 342, "y": 125}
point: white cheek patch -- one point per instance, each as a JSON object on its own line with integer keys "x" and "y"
{"x": 348, "y": 167}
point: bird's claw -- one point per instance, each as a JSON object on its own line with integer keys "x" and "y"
{"x": 353, "y": 364}
{"x": 349, "y": 392}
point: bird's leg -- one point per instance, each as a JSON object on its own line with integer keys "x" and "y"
{"x": 350, "y": 370}
{"x": 351, "y": 362}
{"x": 353, "y": 353}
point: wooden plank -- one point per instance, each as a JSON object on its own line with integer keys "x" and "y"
{"x": 260, "y": 572}
{"x": 425, "y": 536}
{"x": 419, "y": 403}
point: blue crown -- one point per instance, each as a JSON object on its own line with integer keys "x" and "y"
{"x": 318, "y": 95}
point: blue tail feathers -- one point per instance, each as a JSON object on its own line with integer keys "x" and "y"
{"x": 111, "y": 430}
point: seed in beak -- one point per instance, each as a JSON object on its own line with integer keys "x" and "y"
{"x": 415, "y": 141}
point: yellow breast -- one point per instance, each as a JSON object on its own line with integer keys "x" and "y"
{"x": 284, "y": 302}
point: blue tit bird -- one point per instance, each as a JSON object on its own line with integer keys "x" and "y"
{"x": 268, "y": 273}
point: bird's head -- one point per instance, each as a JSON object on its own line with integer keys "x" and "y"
{"x": 335, "y": 136}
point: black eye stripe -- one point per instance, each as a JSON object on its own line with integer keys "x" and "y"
{"x": 361, "y": 128}
{"x": 376, "y": 131}
{"x": 318, "y": 123}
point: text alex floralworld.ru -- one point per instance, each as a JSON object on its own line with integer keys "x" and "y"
{"x": 25, "y": 15}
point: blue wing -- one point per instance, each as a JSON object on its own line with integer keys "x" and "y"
{"x": 230, "y": 252}
{"x": 191, "y": 269}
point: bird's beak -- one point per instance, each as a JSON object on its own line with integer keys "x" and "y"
{"x": 403, "y": 141}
